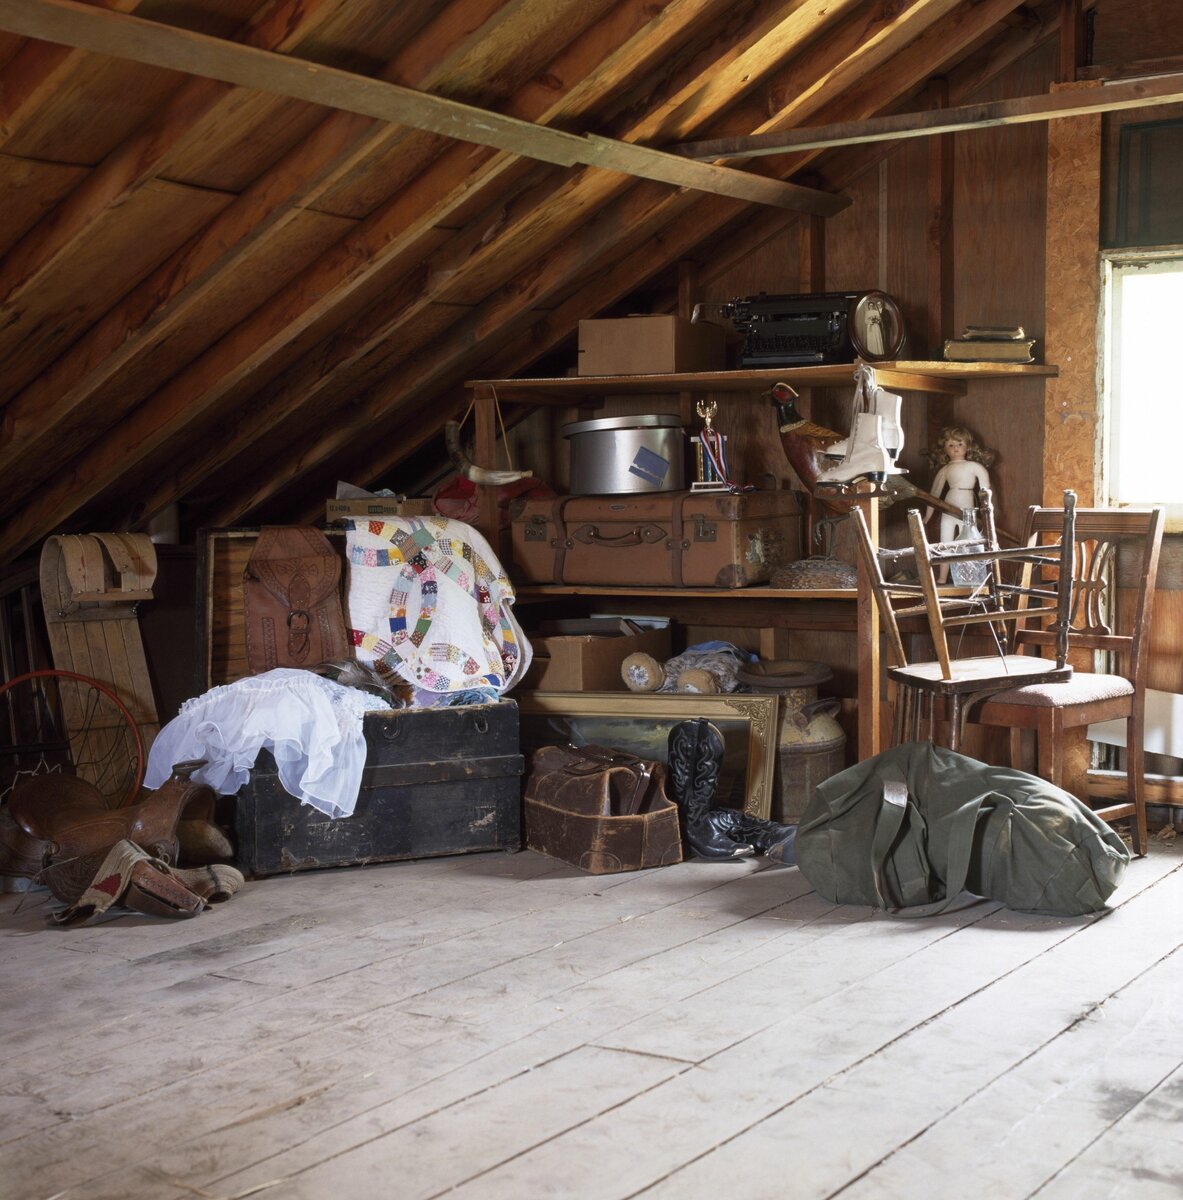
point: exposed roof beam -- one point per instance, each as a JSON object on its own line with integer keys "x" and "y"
{"x": 420, "y": 365}
{"x": 405, "y": 230}
{"x": 195, "y": 106}
{"x": 80, "y": 25}
{"x": 35, "y": 74}
{"x": 122, "y": 359}
{"x": 1141, "y": 93}
{"x": 535, "y": 333}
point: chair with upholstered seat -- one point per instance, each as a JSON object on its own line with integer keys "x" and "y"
{"x": 1008, "y": 592}
{"x": 1103, "y": 537}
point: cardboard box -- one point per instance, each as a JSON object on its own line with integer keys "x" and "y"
{"x": 378, "y": 506}
{"x": 585, "y": 656}
{"x": 650, "y": 345}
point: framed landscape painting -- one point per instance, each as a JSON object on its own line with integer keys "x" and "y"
{"x": 640, "y": 722}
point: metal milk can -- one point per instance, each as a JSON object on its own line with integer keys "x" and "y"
{"x": 811, "y": 745}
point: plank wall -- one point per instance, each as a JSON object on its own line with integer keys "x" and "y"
{"x": 999, "y": 258}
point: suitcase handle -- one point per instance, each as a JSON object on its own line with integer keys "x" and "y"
{"x": 642, "y": 534}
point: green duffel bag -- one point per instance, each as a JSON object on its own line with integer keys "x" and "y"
{"x": 913, "y": 827}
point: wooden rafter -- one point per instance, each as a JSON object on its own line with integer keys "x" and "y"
{"x": 547, "y": 329}
{"x": 116, "y": 363}
{"x": 871, "y": 36}
{"x": 195, "y": 106}
{"x": 364, "y": 346}
{"x": 1113, "y": 97}
{"x": 166, "y": 46}
{"x": 213, "y": 376}
{"x": 469, "y": 260}
{"x": 37, "y": 73}
{"x": 511, "y": 316}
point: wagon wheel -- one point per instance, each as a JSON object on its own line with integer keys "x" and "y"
{"x": 54, "y": 720}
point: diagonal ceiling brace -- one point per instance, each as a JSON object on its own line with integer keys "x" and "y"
{"x": 1138, "y": 93}
{"x": 121, "y": 36}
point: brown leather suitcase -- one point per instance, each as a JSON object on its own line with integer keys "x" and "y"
{"x": 663, "y": 539}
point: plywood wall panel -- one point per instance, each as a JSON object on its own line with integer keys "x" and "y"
{"x": 853, "y": 238}
{"x": 999, "y": 215}
{"x": 1073, "y": 305}
{"x": 905, "y": 240}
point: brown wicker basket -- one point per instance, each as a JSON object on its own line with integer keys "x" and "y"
{"x": 819, "y": 571}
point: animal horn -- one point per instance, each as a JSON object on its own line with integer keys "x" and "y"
{"x": 466, "y": 467}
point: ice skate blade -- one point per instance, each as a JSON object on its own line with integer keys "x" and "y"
{"x": 845, "y": 487}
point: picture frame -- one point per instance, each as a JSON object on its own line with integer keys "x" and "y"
{"x": 639, "y": 722}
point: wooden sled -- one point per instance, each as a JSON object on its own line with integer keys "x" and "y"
{"x": 91, "y": 585}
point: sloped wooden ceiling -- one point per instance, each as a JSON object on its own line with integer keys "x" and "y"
{"x": 229, "y": 297}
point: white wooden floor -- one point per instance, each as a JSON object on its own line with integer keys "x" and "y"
{"x": 501, "y": 1026}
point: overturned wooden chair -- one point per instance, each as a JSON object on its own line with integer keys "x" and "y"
{"x": 1014, "y": 588}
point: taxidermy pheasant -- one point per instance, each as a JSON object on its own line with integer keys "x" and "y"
{"x": 806, "y": 445}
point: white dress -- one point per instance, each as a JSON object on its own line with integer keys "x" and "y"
{"x": 312, "y": 725}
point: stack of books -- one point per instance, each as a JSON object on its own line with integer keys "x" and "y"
{"x": 991, "y": 343}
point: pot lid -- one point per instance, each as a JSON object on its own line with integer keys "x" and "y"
{"x": 782, "y": 673}
{"x": 642, "y": 421}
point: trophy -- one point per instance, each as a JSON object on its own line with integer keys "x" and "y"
{"x": 710, "y": 452}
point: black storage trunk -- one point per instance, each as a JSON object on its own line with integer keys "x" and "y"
{"x": 436, "y": 781}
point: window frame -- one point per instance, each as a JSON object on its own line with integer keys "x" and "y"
{"x": 1115, "y": 263}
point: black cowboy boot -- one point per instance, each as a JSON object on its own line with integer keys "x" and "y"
{"x": 777, "y": 841}
{"x": 695, "y": 753}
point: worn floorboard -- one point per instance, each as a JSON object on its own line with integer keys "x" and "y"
{"x": 503, "y": 1026}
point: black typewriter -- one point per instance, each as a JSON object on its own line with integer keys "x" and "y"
{"x": 816, "y": 327}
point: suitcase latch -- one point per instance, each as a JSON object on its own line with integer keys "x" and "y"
{"x": 535, "y": 530}
{"x": 704, "y": 530}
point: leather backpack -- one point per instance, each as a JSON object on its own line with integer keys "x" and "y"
{"x": 292, "y": 601}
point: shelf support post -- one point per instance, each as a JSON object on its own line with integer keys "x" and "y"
{"x": 485, "y": 416}
{"x": 870, "y": 731}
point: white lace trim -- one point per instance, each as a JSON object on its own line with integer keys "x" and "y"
{"x": 312, "y": 726}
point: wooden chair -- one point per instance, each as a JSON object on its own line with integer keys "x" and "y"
{"x": 1103, "y": 536}
{"x": 1003, "y": 599}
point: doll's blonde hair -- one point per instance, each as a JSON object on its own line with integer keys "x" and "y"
{"x": 938, "y": 456}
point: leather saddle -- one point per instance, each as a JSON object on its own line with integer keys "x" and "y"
{"x": 127, "y": 875}
{"x": 71, "y": 819}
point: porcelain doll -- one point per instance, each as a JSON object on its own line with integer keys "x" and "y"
{"x": 962, "y": 474}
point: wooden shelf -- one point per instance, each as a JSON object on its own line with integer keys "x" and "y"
{"x": 540, "y": 591}
{"x": 762, "y": 606}
{"x": 944, "y": 378}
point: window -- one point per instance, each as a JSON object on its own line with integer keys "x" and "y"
{"x": 1144, "y": 380}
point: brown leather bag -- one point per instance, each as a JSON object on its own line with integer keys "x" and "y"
{"x": 600, "y": 809}
{"x": 291, "y": 600}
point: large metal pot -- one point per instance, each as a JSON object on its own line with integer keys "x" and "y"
{"x": 627, "y": 454}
